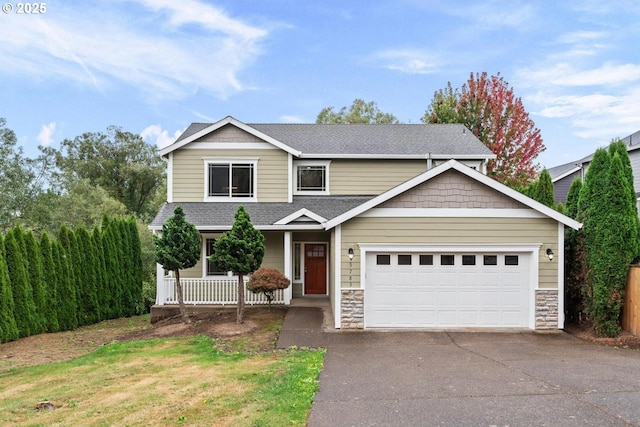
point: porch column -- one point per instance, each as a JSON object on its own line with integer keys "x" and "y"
{"x": 160, "y": 288}
{"x": 288, "y": 266}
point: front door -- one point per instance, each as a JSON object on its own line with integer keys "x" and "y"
{"x": 315, "y": 268}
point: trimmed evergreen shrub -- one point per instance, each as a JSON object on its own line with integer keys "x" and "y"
{"x": 51, "y": 271}
{"x": 24, "y": 307}
{"x": 36, "y": 277}
{"x": 8, "y": 326}
{"x": 67, "y": 299}
{"x": 240, "y": 250}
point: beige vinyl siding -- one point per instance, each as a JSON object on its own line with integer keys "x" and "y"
{"x": 425, "y": 231}
{"x": 355, "y": 177}
{"x": 273, "y": 254}
{"x": 189, "y": 173}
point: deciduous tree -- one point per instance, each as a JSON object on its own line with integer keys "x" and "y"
{"x": 177, "y": 248}
{"x": 488, "y": 107}
{"x": 360, "y": 112}
{"x": 121, "y": 162}
{"x": 240, "y": 250}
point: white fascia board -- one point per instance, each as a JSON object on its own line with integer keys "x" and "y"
{"x": 300, "y": 213}
{"x": 365, "y": 156}
{"x": 564, "y": 175}
{"x": 450, "y": 247}
{"x": 229, "y": 120}
{"x": 451, "y": 213}
{"x": 463, "y": 156}
{"x": 462, "y": 168}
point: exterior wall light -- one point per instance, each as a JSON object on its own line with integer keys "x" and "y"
{"x": 350, "y": 253}
{"x": 550, "y": 254}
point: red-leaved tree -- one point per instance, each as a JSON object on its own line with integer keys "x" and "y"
{"x": 489, "y": 108}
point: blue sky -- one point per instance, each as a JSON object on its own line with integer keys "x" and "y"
{"x": 154, "y": 66}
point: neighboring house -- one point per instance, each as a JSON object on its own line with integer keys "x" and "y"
{"x": 563, "y": 175}
{"x": 397, "y": 224}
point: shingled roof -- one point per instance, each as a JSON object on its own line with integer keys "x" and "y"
{"x": 264, "y": 215}
{"x": 436, "y": 140}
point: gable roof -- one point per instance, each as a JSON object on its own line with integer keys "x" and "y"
{"x": 438, "y": 141}
{"x": 471, "y": 173}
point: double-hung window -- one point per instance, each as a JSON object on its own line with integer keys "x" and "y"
{"x": 311, "y": 178}
{"x": 229, "y": 179}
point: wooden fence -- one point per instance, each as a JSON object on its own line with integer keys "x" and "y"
{"x": 631, "y": 310}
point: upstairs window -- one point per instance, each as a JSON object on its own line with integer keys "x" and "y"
{"x": 312, "y": 178}
{"x": 230, "y": 179}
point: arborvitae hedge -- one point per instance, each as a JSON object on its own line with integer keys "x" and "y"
{"x": 49, "y": 266}
{"x": 24, "y": 308}
{"x": 67, "y": 306}
{"x": 77, "y": 279}
{"x": 36, "y": 277}
{"x": 8, "y": 327}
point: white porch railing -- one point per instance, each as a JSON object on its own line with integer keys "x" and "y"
{"x": 214, "y": 291}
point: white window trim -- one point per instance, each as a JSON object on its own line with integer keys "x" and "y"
{"x": 223, "y": 161}
{"x": 297, "y": 164}
{"x": 206, "y": 237}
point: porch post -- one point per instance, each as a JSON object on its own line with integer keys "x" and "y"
{"x": 288, "y": 266}
{"x": 160, "y": 288}
{"x": 337, "y": 286}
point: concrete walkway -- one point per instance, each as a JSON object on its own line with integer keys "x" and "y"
{"x": 424, "y": 378}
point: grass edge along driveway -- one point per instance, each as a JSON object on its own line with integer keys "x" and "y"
{"x": 172, "y": 381}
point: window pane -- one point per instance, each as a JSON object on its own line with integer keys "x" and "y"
{"x": 218, "y": 180}
{"x": 447, "y": 260}
{"x": 296, "y": 261}
{"x": 311, "y": 178}
{"x": 511, "y": 260}
{"x": 491, "y": 260}
{"x": 242, "y": 180}
{"x": 383, "y": 259}
{"x": 426, "y": 259}
{"x": 212, "y": 267}
{"x": 468, "y": 260}
{"x": 404, "y": 259}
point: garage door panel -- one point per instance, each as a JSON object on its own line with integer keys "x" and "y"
{"x": 447, "y": 295}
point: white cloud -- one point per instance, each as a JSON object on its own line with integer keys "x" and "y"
{"x": 176, "y": 49}
{"x": 565, "y": 74}
{"x": 162, "y": 137}
{"x": 292, "y": 119}
{"x": 45, "y": 137}
{"x": 409, "y": 61}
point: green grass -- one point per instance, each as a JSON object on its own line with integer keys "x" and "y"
{"x": 174, "y": 381}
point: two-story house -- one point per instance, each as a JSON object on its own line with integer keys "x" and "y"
{"x": 563, "y": 175}
{"x": 398, "y": 225}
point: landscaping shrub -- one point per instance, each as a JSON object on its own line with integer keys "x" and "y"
{"x": 267, "y": 280}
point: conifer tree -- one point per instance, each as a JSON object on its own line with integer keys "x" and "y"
{"x": 8, "y": 326}
{"x": 544, "y": 190}
{"x": 36, "y": 277}
{"x": 177, "y": 248}
{"x": 240, "y": 250}
{"x": 618, "y": 232}
{"x": 573, "y": 265}
{"x": 24, "y": 308}
{"x": 49, "y": 266}
{"x": 136, "y": 265}
{"x": 102, "y": 291}
{"x": 590, "y": 214}
{"x": 67, "y": 299}
{"x": 88, "y": 303}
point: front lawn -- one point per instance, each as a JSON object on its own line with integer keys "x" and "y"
{"x": 184, "y": 381}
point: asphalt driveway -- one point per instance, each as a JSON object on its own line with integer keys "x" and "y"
{"x": 418, "y": 378}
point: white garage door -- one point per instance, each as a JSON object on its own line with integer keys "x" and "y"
{"x": 447, "y": 290}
